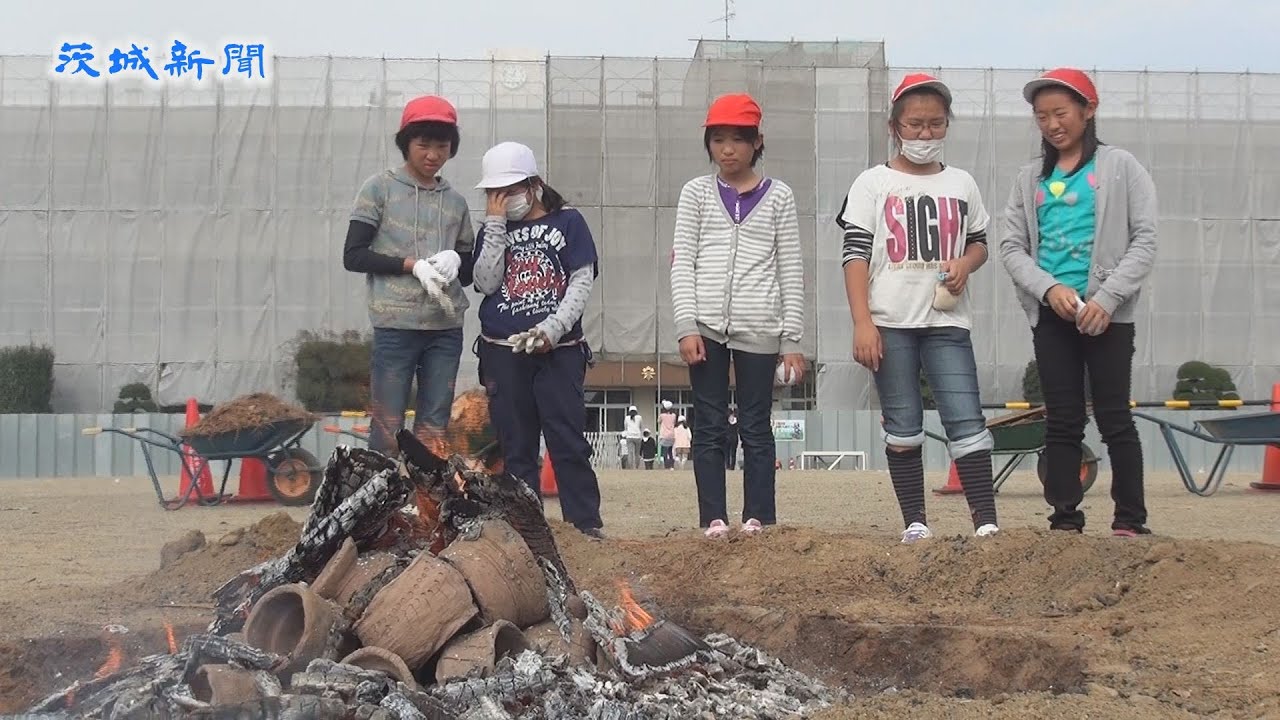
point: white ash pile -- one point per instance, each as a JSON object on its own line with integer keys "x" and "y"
{"x": 424, "y": 589}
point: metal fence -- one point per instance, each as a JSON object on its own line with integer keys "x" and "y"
{"x": 182, "y": 236}
{"x": 51, "y": 446}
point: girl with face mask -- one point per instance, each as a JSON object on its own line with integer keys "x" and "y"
{"x": 1078, "y": 238}
{"x": 914, "y": 231}
{"x": 535, "y": 264}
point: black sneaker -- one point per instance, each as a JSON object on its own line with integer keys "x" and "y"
{"x": 1067, "y": 527}
{"x": 594, "y": 533}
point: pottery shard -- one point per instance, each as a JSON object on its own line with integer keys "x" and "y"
{"x": 174, "y": 549}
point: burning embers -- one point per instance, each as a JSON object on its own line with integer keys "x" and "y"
{"x": 422, "y": 587}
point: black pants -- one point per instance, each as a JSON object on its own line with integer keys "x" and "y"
{"x": 532, "y": 395}
{"x": 754, "y": 382}
{"x": 1062, "y": 355}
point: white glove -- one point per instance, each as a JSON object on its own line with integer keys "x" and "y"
{"x": 526, "y": 342}
{"x": 427, "y": 274}
{"x": 447, "y": 263}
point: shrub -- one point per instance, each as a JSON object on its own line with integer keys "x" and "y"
{"x": 1201, "y": 381}
{"x": 135, "y": 398}
{"x": 331, "y": 371}
{"x": 1032, "y": 392}
{"x": 26, "y": 379}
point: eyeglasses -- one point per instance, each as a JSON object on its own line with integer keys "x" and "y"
{"x": 917, "y": 127}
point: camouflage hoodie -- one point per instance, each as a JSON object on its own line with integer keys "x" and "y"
{"x": 413, "y": 221}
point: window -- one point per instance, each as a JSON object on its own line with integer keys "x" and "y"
{"x": 606, "y": 409}
{"x": 683, "y": 402}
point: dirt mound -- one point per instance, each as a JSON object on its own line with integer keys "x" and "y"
{"x": 193, "y": 576}
{"x": 249, "y": 412}
{"x": 1182, "y": 624}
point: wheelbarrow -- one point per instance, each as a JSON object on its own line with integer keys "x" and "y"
{"x": 1229, "y": 432}
{"x": 1022, "y": 434}
{"x": 293, "y": 474}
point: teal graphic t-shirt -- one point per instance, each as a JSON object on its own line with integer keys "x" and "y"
{"x": 1065, "y": 209}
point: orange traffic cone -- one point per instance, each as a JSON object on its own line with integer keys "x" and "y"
{"x": 1271, "y": 459}
{"x": 547, "y": 478}
{"x": 191, "y": 461}
{"x": 953, "y": 486}
{"x": 253, "y": 481}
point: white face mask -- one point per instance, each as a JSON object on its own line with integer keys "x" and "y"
{"x": 922, "y": 152}
{"x": 518, "y": 206}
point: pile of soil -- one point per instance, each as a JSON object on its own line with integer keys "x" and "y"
{"x": 248, "y": 412}
{"x": 193, "y": 567}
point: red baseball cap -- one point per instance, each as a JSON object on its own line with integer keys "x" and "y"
{"x": 915, "y": 81}
{"x": 738, "y": 110}
{"x": 428, "y": 108}
{"x": 1070, "y": 78}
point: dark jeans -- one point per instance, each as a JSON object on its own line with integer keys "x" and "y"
{"x": 541, "y": 395}
{"x": 432, "y": 356}
{"x": 731, "y": 448}
{"x": 754, "y": 375}
{"x": 1063, "y": 355}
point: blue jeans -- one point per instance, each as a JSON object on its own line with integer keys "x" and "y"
{"x": 432, "y": 356}
{"x": 946, "y": 354}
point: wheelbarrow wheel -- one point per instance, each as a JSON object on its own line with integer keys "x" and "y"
{"x": 294, "y": 479}
{"x": 1088, "y": 467}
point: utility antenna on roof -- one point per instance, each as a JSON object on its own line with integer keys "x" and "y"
{"x": 729, "y": 14}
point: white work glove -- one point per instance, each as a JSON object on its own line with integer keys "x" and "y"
{"x": 447, "y": 263}
{"x": 527, "y": 342}
{"x": 434, "y": 283}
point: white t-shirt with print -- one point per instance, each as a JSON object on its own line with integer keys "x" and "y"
{"x": 913, "y": 224}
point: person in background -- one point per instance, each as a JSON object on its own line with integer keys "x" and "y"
{"x": 410, "y": 234}
{"x": 914, "y": 233}
{"x": 648, "y": 450}
{"x": 737, "y": 290}
{"x": 1078, "y": 238}
{"x": 624, "y": 461}
{"x": 684, "y": 440}
{"x": 731, "y": 441}
{"x": 535, "y": 265}
{"x": 667, "y": 434}
{"x": 633, "y": 431}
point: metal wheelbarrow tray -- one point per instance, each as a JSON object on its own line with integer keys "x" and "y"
{"x": 1227, "y": 431}
{"x": 1022, "y": 434}
{"x": 293, "y": 473}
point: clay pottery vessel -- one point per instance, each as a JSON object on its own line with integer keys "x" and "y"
{"x": 347, "y": 572}
{"x": 475, "y": 654}
{"x": 291, "y": 620}
{"x": 224, "y": 685}
{"x": 417, "y": 613}
{"x": 376, "y": 658}
{"x": 503, "y": 574}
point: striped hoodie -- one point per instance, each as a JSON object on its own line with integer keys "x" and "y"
{"x": 738, "y": 284}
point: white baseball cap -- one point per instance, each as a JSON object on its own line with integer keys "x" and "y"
{"x": 506, "y": 163}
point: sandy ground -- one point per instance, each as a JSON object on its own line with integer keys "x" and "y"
{"x": 1183, "y": 624}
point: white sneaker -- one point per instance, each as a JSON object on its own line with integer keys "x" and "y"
{"x": 916, "y": 531}
{"x": 752, "y": 527}
{"x": 716, "y": 530}
{"x": 986, "y": 530}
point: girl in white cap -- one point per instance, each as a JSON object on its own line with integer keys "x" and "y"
{"x": 535, "y": 264}
{"x": 1078, "y": 238}
{"x": 914, "y": 232}
{"x": 633, "y": 434}
{"x": 667, "y": 434}
{"x": 684, "y": 441}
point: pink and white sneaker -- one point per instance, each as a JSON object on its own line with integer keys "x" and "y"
{"x": 717, "y": 530}
{"x": 752, "y": 527}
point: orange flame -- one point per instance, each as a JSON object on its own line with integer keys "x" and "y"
{"x": 634, "y": 617}
{"x": 114, "y": 661}
{"x": 168, "y": 634}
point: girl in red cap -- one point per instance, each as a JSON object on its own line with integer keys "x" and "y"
{"x": 914, "y": 231}
{"x": 1079, "y": 238}
{"x": 411, "y": 236}
{"x": 737, "y": 289}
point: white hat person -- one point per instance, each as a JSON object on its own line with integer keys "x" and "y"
{"x": 506, "y": 164}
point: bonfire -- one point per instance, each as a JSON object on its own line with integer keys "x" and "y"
{"x": 425, "y": 587}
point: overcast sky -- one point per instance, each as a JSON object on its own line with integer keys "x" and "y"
{"x": 1106, "y": 34}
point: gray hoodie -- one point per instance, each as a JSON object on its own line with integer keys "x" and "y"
{"x": 413, "y": 221}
